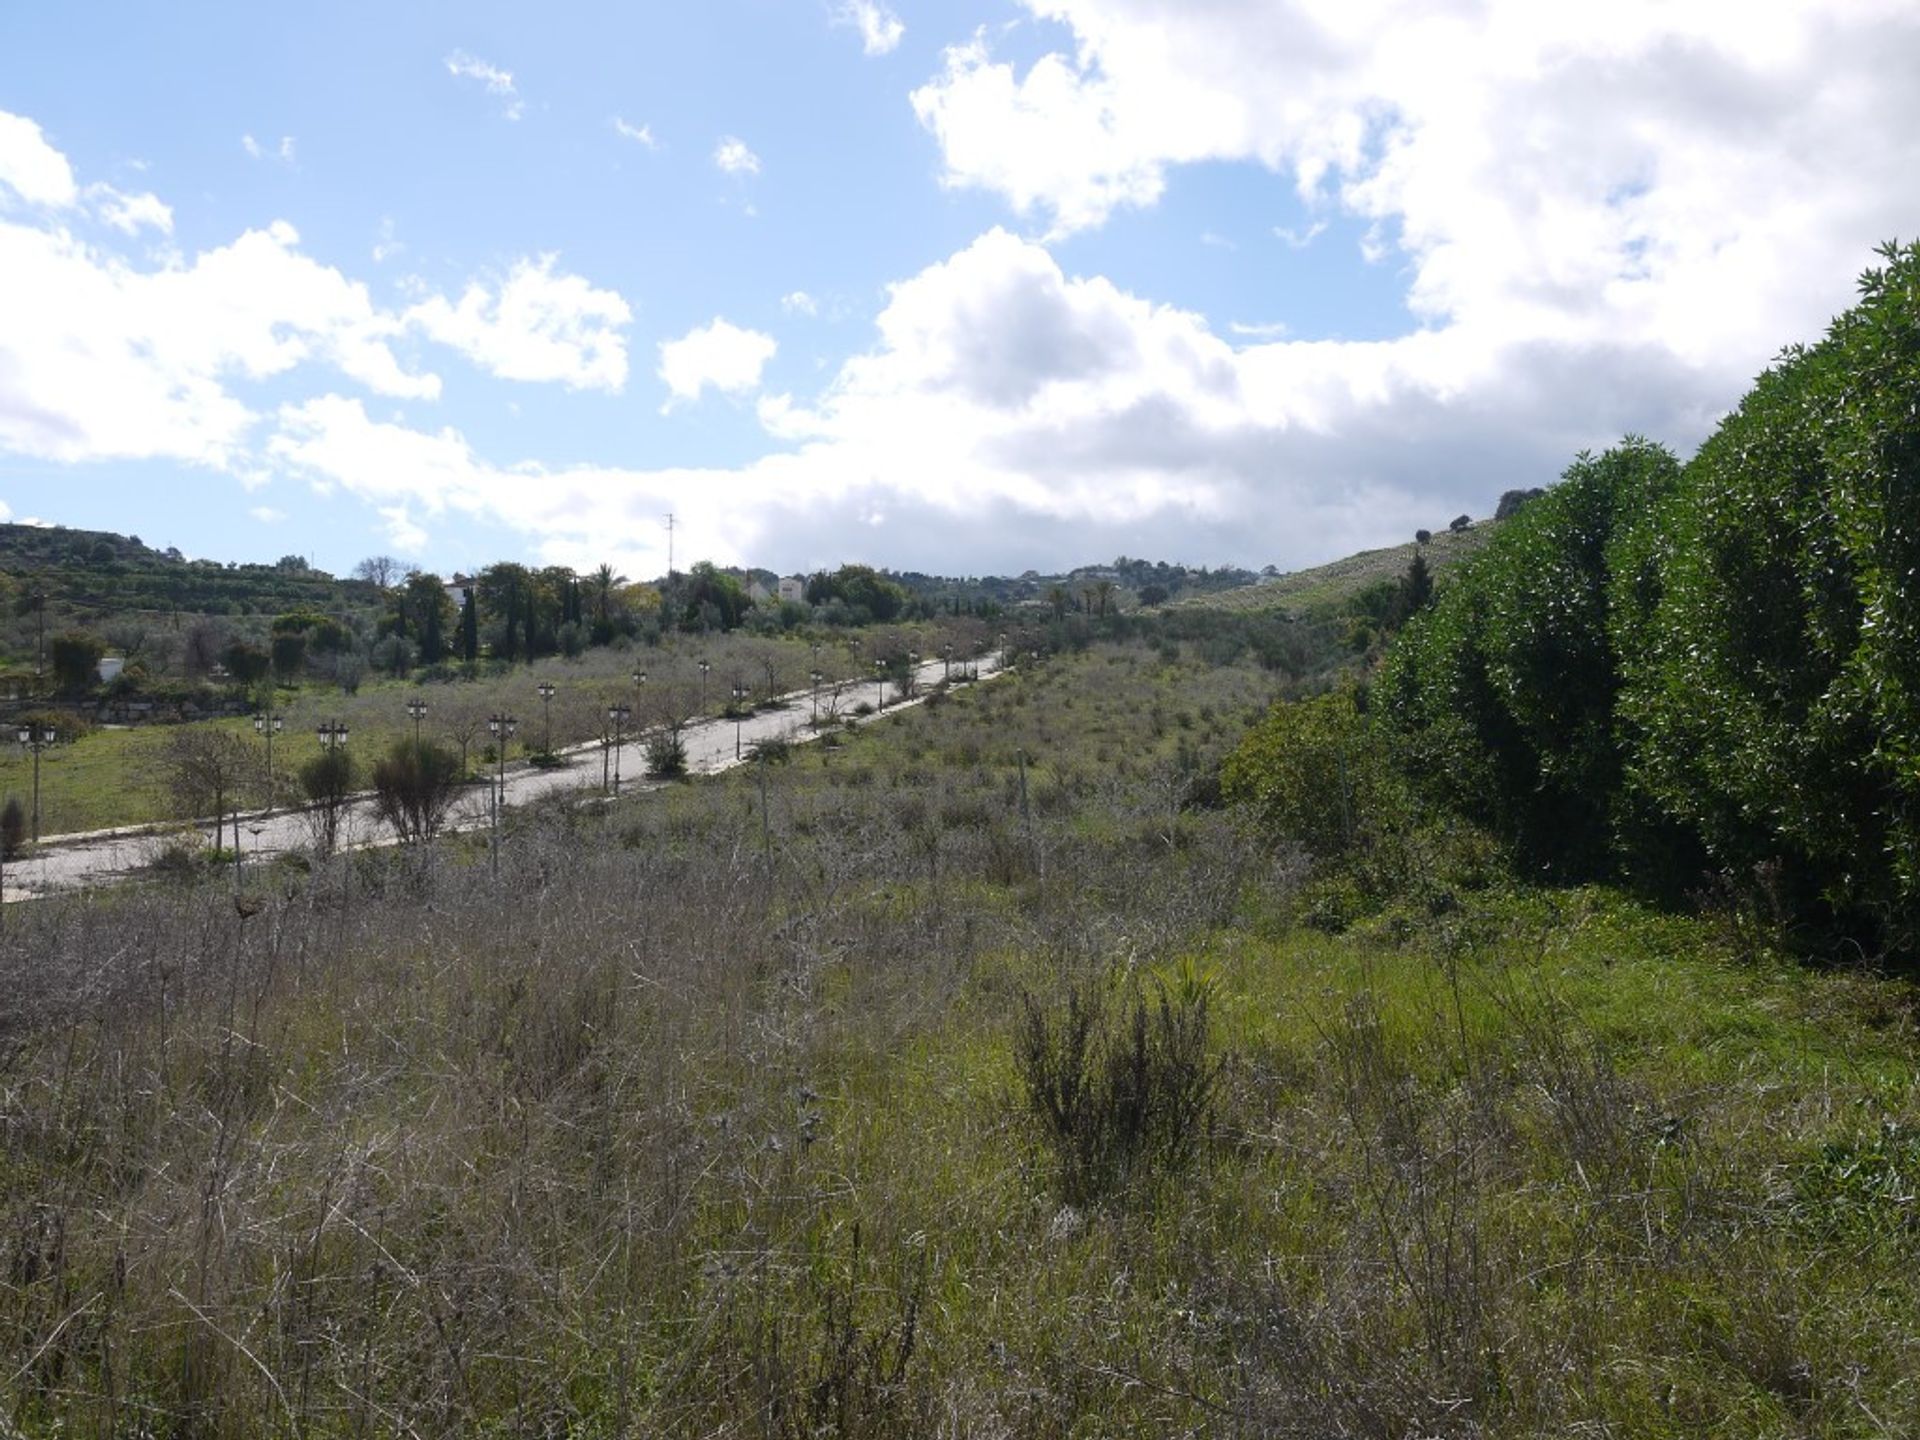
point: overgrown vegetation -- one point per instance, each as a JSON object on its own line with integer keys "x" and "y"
{"x": 1657, "y": 669}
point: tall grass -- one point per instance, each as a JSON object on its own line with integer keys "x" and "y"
{"x": 703, "y": 1122}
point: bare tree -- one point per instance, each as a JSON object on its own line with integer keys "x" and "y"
{"x": 382, "y": 571}
{"x": 209, "y": 770}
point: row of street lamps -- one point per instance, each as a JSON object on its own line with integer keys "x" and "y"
{"x": 333, "y": 733}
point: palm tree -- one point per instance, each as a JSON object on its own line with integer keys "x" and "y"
{"x": 1105, "y": 591}
{"x": 601, "y": 585}
{"x": 1058, "y": 597}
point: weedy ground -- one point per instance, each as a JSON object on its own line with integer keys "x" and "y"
{"x": 711, "y": 1116}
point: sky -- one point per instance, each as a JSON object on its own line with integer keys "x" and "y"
{"x": 964, "y": 286}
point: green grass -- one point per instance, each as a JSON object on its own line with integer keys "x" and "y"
{"x": 1325, "y": 588}
{"x": 663, "y": 1134}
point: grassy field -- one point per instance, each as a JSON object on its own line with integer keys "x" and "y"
{"x": 119, "y": 777}
{"x": 1326, "y": 587}
{"x": 712, "y": 1119}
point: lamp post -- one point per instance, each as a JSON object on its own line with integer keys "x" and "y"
{"x": 545, "y": 688}
{"x": 501, "y": 727}
{"x": 418, "y": 710}
{"x": 913, "y": 671}
{"x": 619, "y": 715}
{"x": 880, "y": 684}
{"x": 268, "y": 725}
{"x": 740, "y": 693}
{"x": 946, "y": 663}
{"x": 704, "y": 668}
{"x": 36, "y": 738}
{"x": 816, "y": 677}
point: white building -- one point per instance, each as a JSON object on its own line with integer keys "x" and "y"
{"x": 793, "y": 588}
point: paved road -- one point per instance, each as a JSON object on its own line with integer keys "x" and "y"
{"x": 73, "y": 862}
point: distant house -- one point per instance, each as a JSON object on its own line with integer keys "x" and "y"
{"x": 793, "y": 589}
{"x": 109, "y": 668}
{"x": 456, "y": 589}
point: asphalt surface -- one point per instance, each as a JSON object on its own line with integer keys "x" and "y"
{"x": 76, "y": 862}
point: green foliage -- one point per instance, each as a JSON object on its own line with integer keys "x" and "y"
{"x": 1316, "y": 773}
{"x": 1119, "y": 1085}
{"x": 666, "y": 755}
{"x": 246, "y": 662}
{"x": 862, "y": 589}
{"x": 1504, "y": 693}
{"x": 414, "y": 786}
{"x": 13, "y": 828}
{"x": 1656, "y": 669}
{"x": 1777, "y": 700}
{"x": 75, "y": 657}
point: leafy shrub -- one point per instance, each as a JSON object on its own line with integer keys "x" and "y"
{"x": 13, "y": 828}
{"x": 1316, "y": 774}
{"x": 414, "y": 787}
{"x": 1119, "y": 1086}
{"x": 666, "y": 755}
{"x": 1504, "y": 693}
{"x": 1777, "y": 696}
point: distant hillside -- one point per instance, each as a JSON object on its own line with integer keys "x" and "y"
{"x": 1325, "y": 588}
{"x": 95, "y": 571}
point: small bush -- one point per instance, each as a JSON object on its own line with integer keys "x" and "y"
{"x": 1119, "y": 1087}
{"x": 414, "y": 787}
{"x": 666, "y": 756}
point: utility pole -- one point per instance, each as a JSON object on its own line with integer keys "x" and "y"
{"x": 669, "y": 547}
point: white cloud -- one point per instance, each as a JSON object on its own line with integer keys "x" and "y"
{"x": 101, "y": 357}
{"x": 880, "y": 29}
{"x": 401, "y": 528}
{"x": 640, "y": 134}
{"x": 799, "y": 302}
{"x": 1296, "y": 239}
{"x": 1267, "y": 330}
{"x": 283, "y": 152}
{"x": 734, "y": 158}
{"x": 30, "y": 167}
{"x": 129, "y": 213}
{"x": 720, "y": 355}
{"x": 386, "y": 245}
{"x": 536, "y": 325}
{"x": 5, "y": 512}
{"x": 498, "y": 82}
{"x": 267, "y": 515}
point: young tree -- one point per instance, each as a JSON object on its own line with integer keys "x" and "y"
{"x": 414, "y": 786}
{"x": 327, "y": 780}
{"x": 208, "y": 770}
{"x": 76, "y": 659}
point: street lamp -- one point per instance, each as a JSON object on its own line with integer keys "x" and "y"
{"x": 36, "y": 738}
{"x": 740, "y": 693}
{"x": 332, "y": 733}
{"x": 704, "y": 667}
{"x": 619, "y": 715}
{"x": 269, "y": 726}
{"x": 1004, "y": 661}
{"x": 946, "y": 663}
{"x": 880, "y": 684}
{"x": 418, "y": 710}
{"x": 816, "y": 677}
{"x": 545, "y": 687}
{"x": 913, "y": 671}
{"x": 501, "y": 727}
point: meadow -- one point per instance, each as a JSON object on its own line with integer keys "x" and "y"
{"x": 972, "y": 1075}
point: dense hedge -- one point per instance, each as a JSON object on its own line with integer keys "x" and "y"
{"x": 1652, "y": 668}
